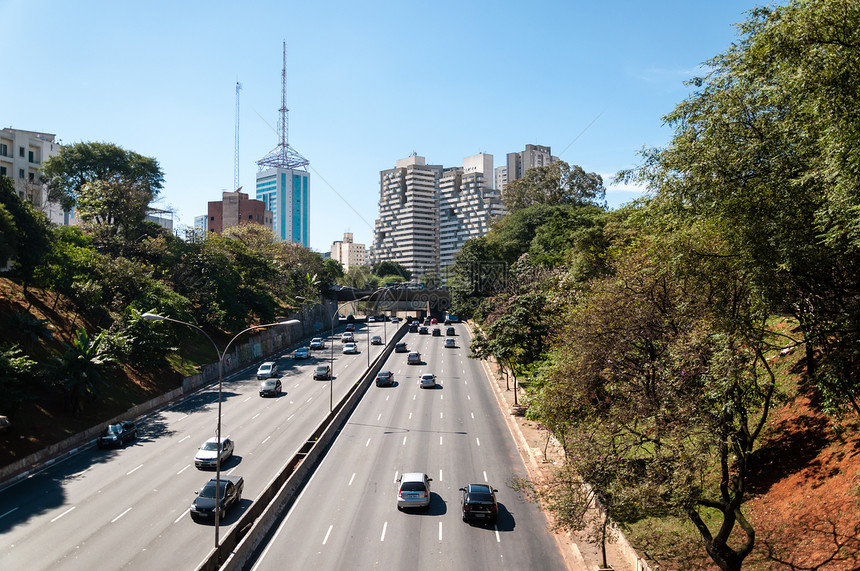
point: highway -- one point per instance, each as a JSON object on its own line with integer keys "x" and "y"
{"x": 346, "y": 517}
{"x": 128, "y": 508}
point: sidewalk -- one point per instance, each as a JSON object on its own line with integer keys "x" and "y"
{"x": 531, "y": 442}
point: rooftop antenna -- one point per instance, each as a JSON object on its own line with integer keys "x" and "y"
{"x": 283, "y": 156}
{"x": 236, "y": 149}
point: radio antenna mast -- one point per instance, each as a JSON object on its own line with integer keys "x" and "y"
{"x": 236, "y": 148}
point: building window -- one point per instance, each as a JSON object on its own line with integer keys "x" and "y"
{"x": 212, "y": 218}
{"x": 2, "y": 171}
{"x": 21, "y": 153}
{"x": 20, "y": 173}
{"x": 32, "y": 157}
{"x": 32, "y": 177}
{"x": 4, "y": 150}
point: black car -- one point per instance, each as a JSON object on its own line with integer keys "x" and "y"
{"x": 116, "y": 435}
{"x": 322, "y": 372}
{"x": 384, "y": 379}
{"x": 422, "y": 330}
{"x": 413, "y": 328}
{"x": 450, "y": 332}
{"x": 230, "y": 494}
{"x": 479, "y": 503}
{"x": 400, "y": 347}
{"x": 437, "y": 332}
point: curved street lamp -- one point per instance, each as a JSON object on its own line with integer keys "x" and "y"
{"x": 221, "y": 354}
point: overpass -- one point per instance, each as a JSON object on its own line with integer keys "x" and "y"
{"x": 393, "y": 299}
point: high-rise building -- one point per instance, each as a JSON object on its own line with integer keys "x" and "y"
{"x": 234, "y": 209}
{"x": 22, "y": 154}
{"x": 283, "y": 182}
{"x": 348, "y": 253}
{"x": 407, "y": 230}
{"x": 467, "y": 204}
{"x": 518, "y": 163}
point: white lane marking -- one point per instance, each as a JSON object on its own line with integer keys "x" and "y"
{"x": 379, "y": 417}
{"x": 120, "y": 515}
{"x": 62, "y": 514}
{"x": 465, "y": 382}
{"x": 181, "y": 418}
{"x": 184, "y": 439}
{"x": 182, "y": 470}
{"x": 396, "y": 475}
{"x": 473, "y": 414}
{"x": 479, "y": 440}
{"x": 440, "y": 441}
{"x": 441, "y": 415}
{"x": 498, "y": 539}
{"x": 351, "y": 479}
{"x": 255, "y": 416}
{"x": 247, "y": 399}
{"x": 310, "y": 399}
{"x": 384, "y": 527}
{"x": 134, "y": 470}
{"x": 440, "y": 475}
{"x": 326, "y": 533}
{"x": 485, "y": 475}
{"x": 7, "y": 513}
{"x": 387, "y": 397}
{"x": 290, "y": 417}
{"x": 266, "y": 440}
{"x": 410, "y": 416}
{"x": 468, "y": 397}
{"x": 441, "y": 397}
{"x": 414, "y": 396}
{"x": 366, "y": 444}
{"x": 440, "y": 531}
{"x": 404, "y": 441}
{"x": 177, "y": 520}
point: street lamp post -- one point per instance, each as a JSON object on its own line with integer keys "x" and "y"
{"x": 221, "y": 355}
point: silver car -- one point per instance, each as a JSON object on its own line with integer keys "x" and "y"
{"x": 413, "y": 491}
{"x": 267, "y": 370}
{"x": 207, "y": 454}
{"x": 427, "y": 381}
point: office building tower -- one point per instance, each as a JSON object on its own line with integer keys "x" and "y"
{"x": 467, "y": 204}
{"x": 407, "y": 229}
{"x": 348, "y": 253}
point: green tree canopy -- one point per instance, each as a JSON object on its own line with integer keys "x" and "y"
{"x": 557, "y": 183}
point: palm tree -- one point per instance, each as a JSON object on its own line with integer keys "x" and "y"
{"x": 79, "y": 368}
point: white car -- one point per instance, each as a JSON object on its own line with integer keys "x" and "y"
{"x": 317, "y": 343}
{"x": 350, "y": 348}
{"x": 207, "y": 454}
{"x": 267, "y": 370}
{"x": 413, "y": 491}
{"x": 450, "y": 343}
{"x": 347, "y": 337}
{"x": 371, "y": 319}
{"x": 427, "y": 381}
{"x": 376, "y": 340}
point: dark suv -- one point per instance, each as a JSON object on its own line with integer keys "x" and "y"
{"x": 115, "y": 435}
{"x": 479, "y": 503}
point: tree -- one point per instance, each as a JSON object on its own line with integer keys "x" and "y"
{"x": 79, "y": 369}
{"x": 768, "y": 150}
{"x": 16, "y": 383}
{"x": 388, "y": 267}
{"x": 554, "y": 184}
{"x": 79, "y": 164}
{"x": 23, "y": 232}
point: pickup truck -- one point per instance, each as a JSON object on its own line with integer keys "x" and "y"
{"x": 203, "y": 506}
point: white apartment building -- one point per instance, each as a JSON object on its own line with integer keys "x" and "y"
{"x": 467, "y": 204}
{"x": 518, "y": 163}
{"x": 407, "y": 229}
{"x": 348, "y": 253}
{"x": 22, "y": 154}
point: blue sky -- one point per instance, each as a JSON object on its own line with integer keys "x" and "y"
{"x": 368, "y": 83}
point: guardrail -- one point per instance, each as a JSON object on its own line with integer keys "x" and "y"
{"x": 240, "y": 544}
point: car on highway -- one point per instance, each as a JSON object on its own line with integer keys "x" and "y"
{"x": 400, "y": 347}
{"x": 450, "y": 332}
{"x": 317, "y": 343}
{"x": 322, "y": 372}
{"x": 371, "y": 319}
{"x": 413, "y": 358}
{"x": 270, "y": 387}
{"x": 433, "y": 321}
{"x": 413, "y": 328}
{"x": 350, "y": 348}
{"x": 302, "y": 353}
{"x": 423, "y": 330}
{"x": 207, "y": 454}
{"x": 427, "y": 381}
{"x": 384, "y": 378}
{"x": 437, "y": 332}
{"x": 350, "y": 328}
{"x": 116, "y": 435}
{"x": 395, "y": 319}
{"x": 450, "y": 343}
{"x": 347, "y": 337}
{"x": 267, "y": 370}
{"x": 229, "y": 494}
{"x": 478, "y": 503}
{"x": 413, "y": 491}
{"x": 376, "y": 340}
